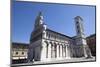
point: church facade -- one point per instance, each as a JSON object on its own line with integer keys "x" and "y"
{"x": 48, "y": 45}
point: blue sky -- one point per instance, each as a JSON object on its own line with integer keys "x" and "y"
{"x": 58, "y": 17}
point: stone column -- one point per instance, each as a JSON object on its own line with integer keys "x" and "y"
{"x": 57, "y": 51}
{"x": 49, "y": 51}
{"x": 53, "y": 52}
{"x": 60, "y": 51}
{"x": 43, "y": 52}
{"x": 66, "y": 51}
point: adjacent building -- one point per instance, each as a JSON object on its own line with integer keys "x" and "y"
{"x": 19, "y": 52}
{"x": 91, "y": 41}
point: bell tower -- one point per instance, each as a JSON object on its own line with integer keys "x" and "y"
{"x": 79, "y": 26}
{"x": 39, "y": 21}
{"x": 80, "y": 38}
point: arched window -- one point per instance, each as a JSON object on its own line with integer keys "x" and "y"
{"x": 77, "y": 22}
{"x": 16, "y": 53}
{"x": 22, "y": 53}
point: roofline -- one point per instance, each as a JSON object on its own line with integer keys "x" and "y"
{"x": 91, "y": 35}
{"x": 59, "y": 33}
{"x": 20, "y": 43}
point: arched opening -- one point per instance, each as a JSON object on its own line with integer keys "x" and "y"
{"x": 55, "y": 50}
{"x": 59, "y": 50}
{"x": 51, "y": 49}
{"x": 64, "y": 50}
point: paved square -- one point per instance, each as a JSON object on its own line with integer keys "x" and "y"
{"x": 72, "y": 60}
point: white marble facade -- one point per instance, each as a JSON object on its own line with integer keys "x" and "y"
{"x": 48, "y": 45}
